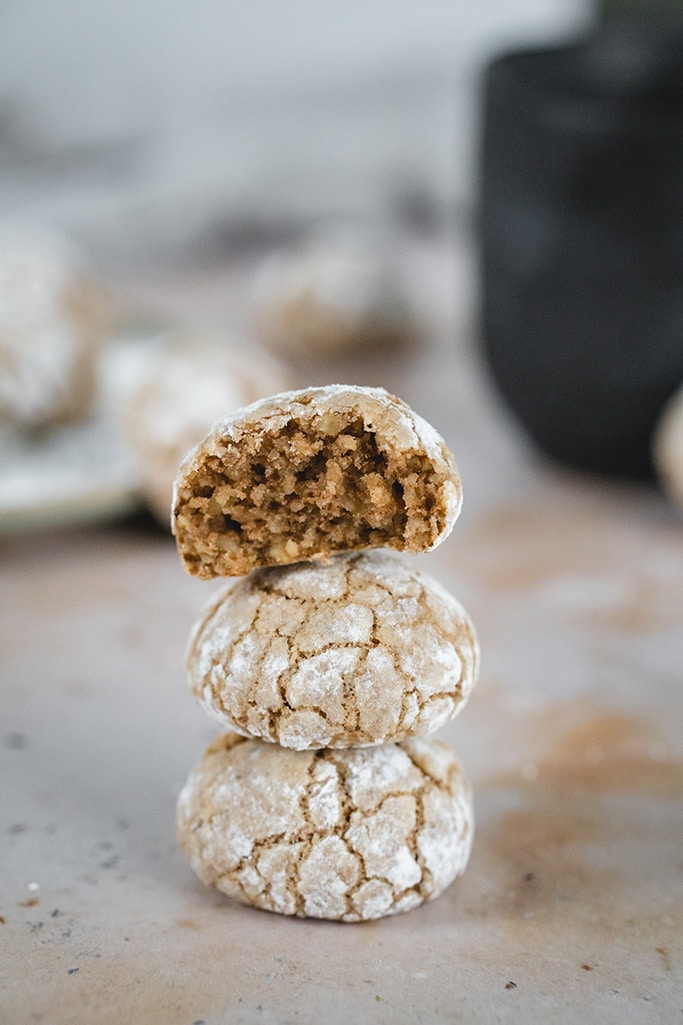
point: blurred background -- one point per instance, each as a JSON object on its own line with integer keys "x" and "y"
{"x": 144, "y": 126}
{"x": 503, "y": 210}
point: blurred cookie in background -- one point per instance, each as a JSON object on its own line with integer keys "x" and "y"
{"x": 339, "y": 290}
{"x": 186, "y": 382}
{"x": 53, "y": 314}
{"x": 667, "y": 448}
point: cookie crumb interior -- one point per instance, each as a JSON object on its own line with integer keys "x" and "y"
{"x": 313, "y": 488}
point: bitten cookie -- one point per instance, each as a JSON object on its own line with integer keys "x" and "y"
{"x": 361, "y": 650}
{"x": 347, "y": 835}
{"x": 191, "y": 379}
{"x": 305, "y": 474}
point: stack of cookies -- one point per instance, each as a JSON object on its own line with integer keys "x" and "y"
{"x": 330, "y": 658}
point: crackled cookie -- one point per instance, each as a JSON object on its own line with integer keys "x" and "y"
{"x": 361, "y": 650}
{"x": 346, "y": 835}
{"x": 337, "y": 291}
{"x": 191, "y": 379}
{"x": 667, "y": 448}
{"x": 51, "y": 316}
{"x": 305, "y": 474}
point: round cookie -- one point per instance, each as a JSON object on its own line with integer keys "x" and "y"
{"x": 346, "y": 835}
{"x": 191, "y": 379}
{"x": 361, "y": 650}
{"x": 336, "y": 291}
{"x": 51, "y": 316}
{"x": 305, "y": 474}
{"x": 667, "y": 448}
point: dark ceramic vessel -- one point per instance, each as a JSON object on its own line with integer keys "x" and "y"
{"x": 581, "y": 240}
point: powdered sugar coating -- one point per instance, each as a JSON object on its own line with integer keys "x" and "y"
{"x": 346, "y": 835}
{"x": 422, "y": 492}
{"x": 361, "y": 650}
{"x": 402, "y": 429}
{"x": 50, "y": 316}
{"x": 338, "y": 290}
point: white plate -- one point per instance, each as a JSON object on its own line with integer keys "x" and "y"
{"x": 77, "y": 473}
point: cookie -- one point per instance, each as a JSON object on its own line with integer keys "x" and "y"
{"x": 306, "y": 474}
{"x": 51, "y": 317}
{"x": 361, "y": 650}
{"x": 335, "y": 292}
{"x": 345, "y": 835}
{"x": 191, "y": 379}
{"x": 667, "y": 448}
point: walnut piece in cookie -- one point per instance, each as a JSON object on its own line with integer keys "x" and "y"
{"x": 345, "y": 835}
{"x": 306, "y": 474}
{"x": 361, "y": 650}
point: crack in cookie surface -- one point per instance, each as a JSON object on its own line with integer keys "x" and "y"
{"x": 346, "y": 835}
{"x": 361, "y": 650}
